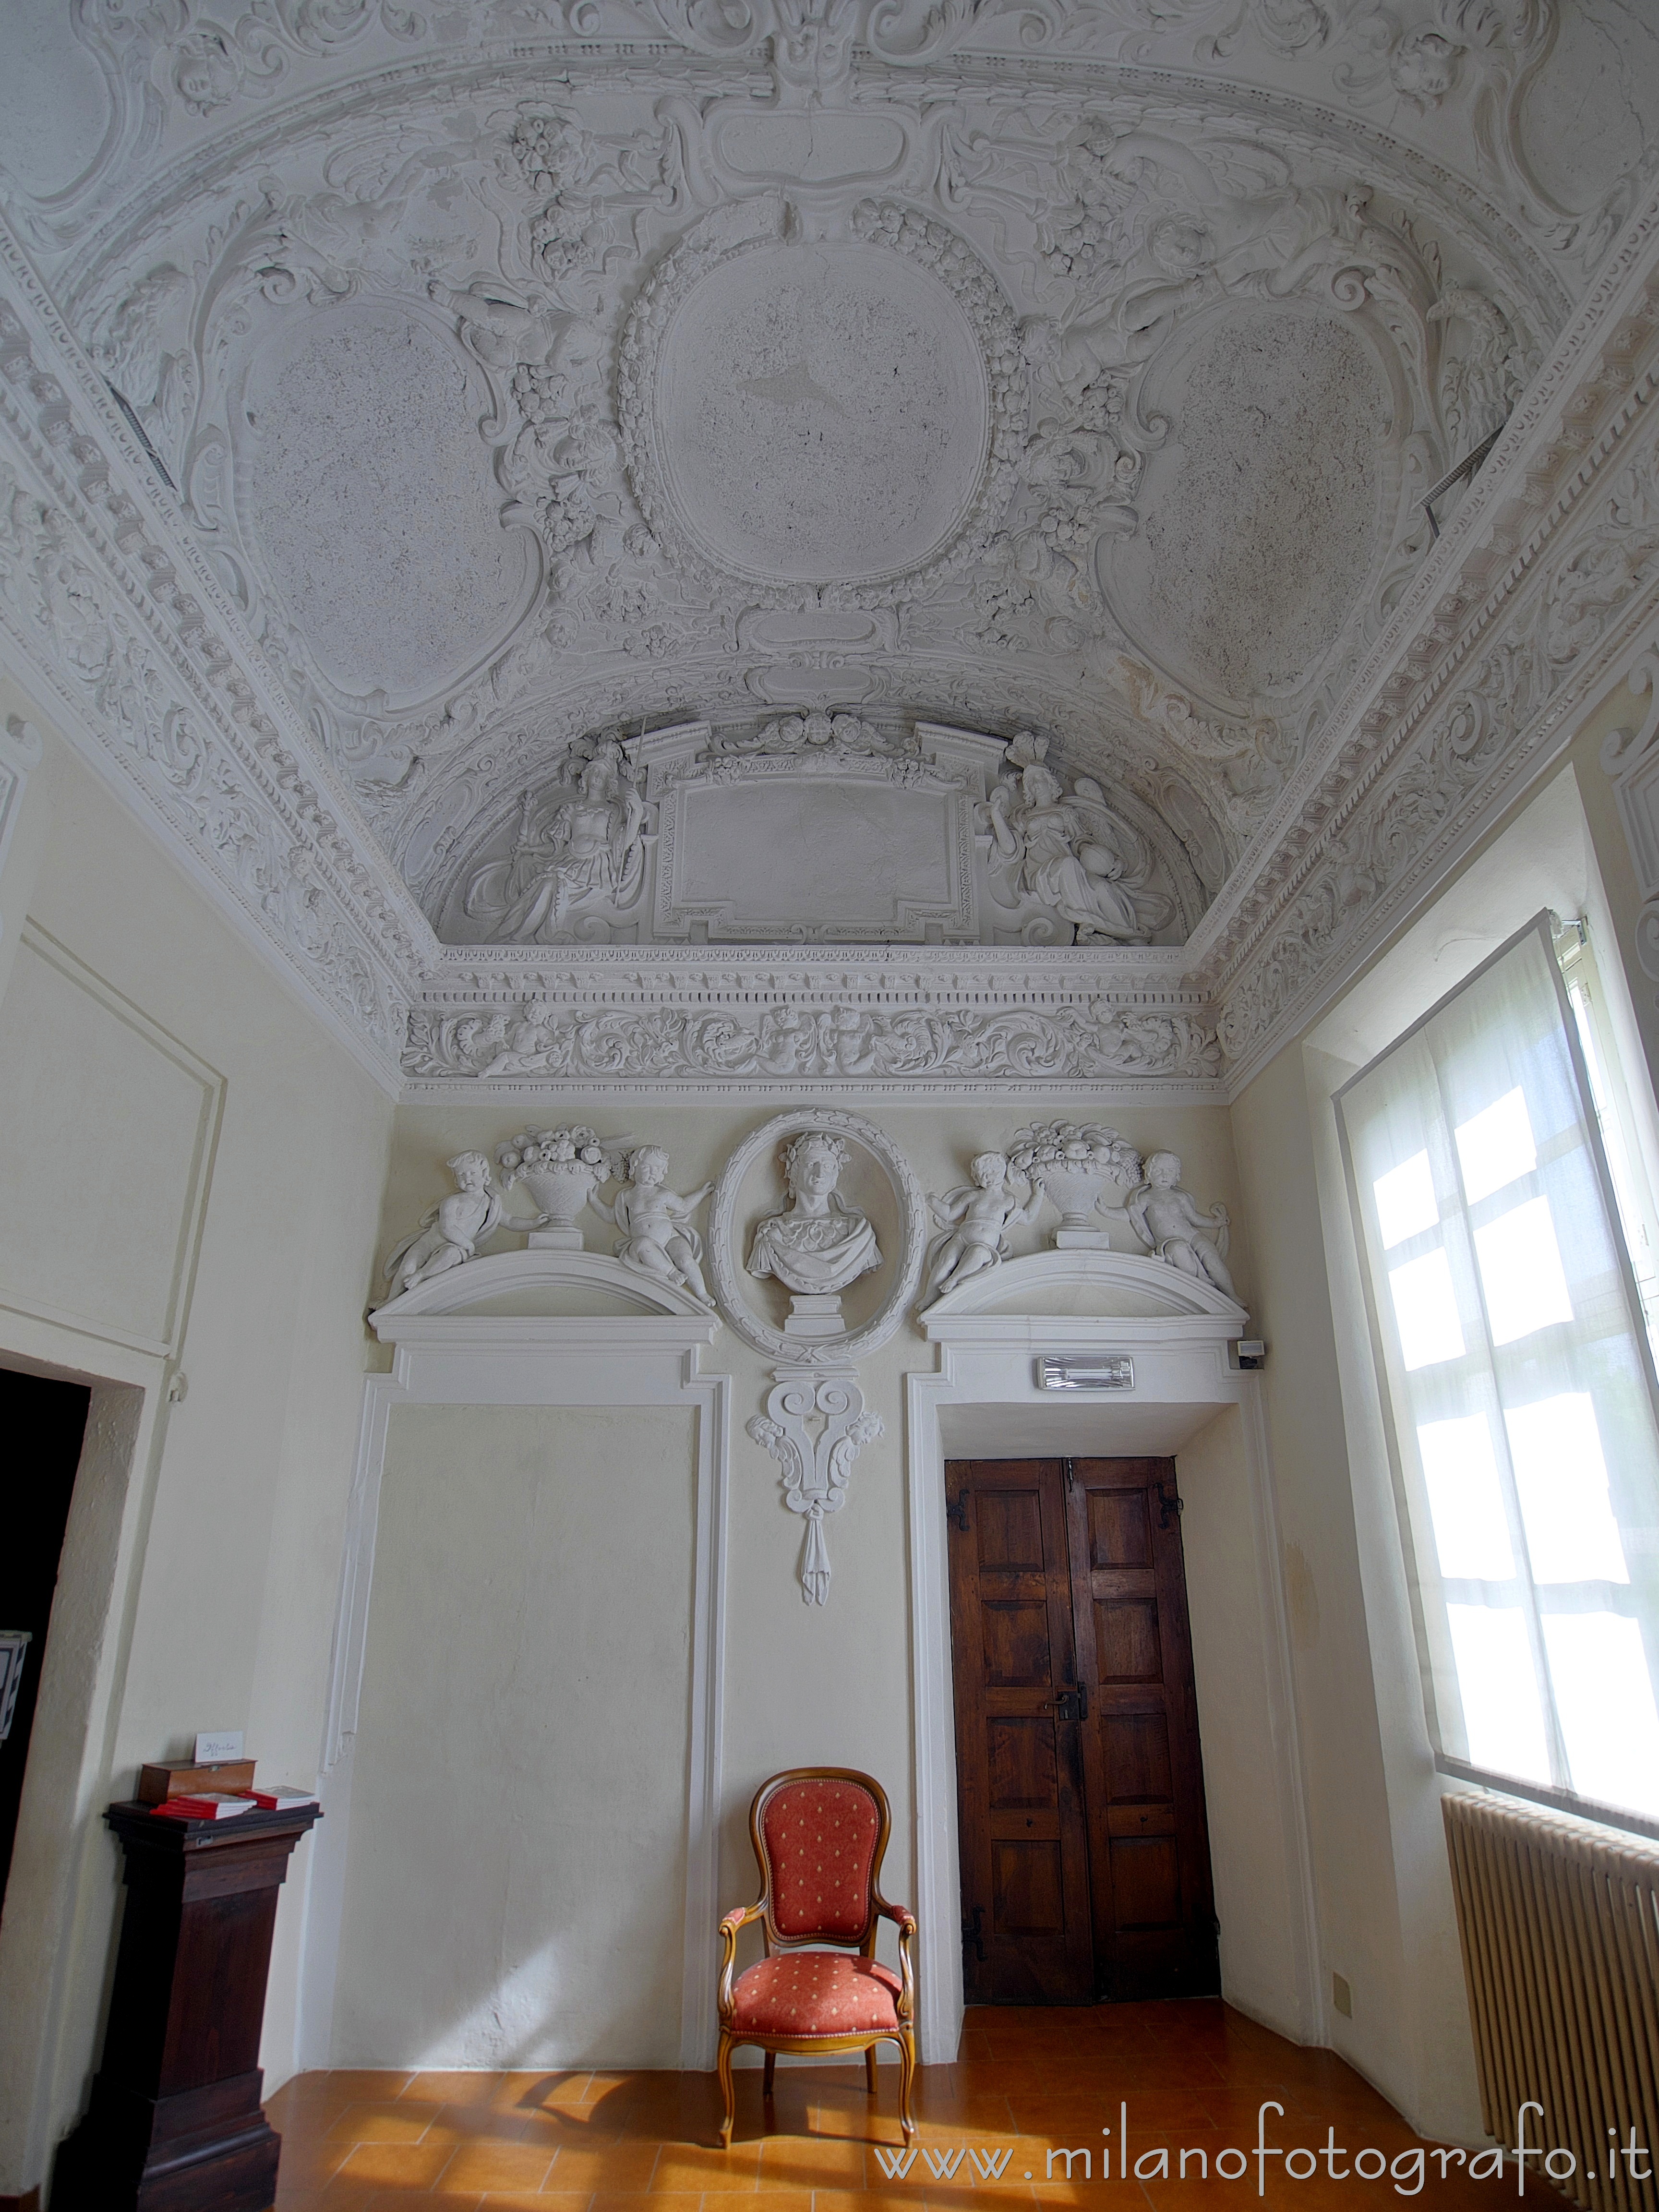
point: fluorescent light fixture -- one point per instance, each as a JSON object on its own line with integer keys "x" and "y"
{"x": 1112, "y": 1371}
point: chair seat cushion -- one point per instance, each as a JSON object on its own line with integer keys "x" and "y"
{"x": 814, "y": 1993}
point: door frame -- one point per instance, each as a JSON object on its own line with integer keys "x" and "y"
{"x": 982, "y": 1400}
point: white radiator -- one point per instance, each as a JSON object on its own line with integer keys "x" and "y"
{"x": 1560, "y": 1931}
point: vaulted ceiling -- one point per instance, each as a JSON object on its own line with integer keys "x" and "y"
{"x": 531, "y": 374}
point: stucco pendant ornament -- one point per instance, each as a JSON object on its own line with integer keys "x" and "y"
{"x": 1074, "y": 1163}
{"x": 815, "y": 1426}
{"x": 561, "y": 1169}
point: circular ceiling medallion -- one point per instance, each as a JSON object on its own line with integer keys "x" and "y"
{"x": 803, "y": 414}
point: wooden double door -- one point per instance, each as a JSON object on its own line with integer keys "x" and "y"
{"x": 1085, "y": 1858}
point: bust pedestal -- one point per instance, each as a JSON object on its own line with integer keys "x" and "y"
{"x": 815, "y": 1313}
{"x": 175, "y": 2124}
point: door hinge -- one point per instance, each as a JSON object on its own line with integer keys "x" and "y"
{"x": 1170, "y": 1502}
{"x": 973, "y": 1935}
{"x": 956, "y": 1515}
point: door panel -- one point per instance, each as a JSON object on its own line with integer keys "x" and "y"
{"x": 1025, "y": 1849}
{"x": 1120, "y": 1533}
{"x": 1136, "y": 1748}
{"x": 1127, "y": 1645}
{"x": 1154, "y": 1924}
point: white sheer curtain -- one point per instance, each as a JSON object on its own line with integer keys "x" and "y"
{"x": 1518, "y": 1377}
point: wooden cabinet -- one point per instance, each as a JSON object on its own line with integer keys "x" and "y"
{"x": 175, "y": 2123}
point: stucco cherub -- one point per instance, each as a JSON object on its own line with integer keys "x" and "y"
{"x": 975, "y": 1218}
{"x": 450, "y": 1232}
{"x": 1174, "y": 1227}
{"x": 657, "y": 1236}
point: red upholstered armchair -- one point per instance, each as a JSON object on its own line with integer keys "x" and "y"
{"x": 819, "y": 1833}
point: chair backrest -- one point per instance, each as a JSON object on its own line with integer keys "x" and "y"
{"x": 820, "y": 1834}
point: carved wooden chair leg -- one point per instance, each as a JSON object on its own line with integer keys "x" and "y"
{"x": 870, "y": 2069}
{"x": 906, "y": 2044}
{"x": 727, "y": 2092}
{"x": 771, "y": 2068}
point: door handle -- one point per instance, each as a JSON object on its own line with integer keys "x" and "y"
{"x": 1073, "y": 1705}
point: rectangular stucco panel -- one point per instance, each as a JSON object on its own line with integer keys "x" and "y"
{"x": 515, "y": 1891}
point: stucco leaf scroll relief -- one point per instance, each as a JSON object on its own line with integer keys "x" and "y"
{"x": 605, "y": 333}
{"x": 814, "y": 828}
{"x": 1501, "y": 89}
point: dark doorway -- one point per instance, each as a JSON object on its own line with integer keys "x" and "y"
{"x": 42, "y": 1422}
{"x": 1085, "y": 1855}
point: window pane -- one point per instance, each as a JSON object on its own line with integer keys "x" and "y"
{"x": 1514, "y": 1370}
{"x": 1604, "y": 1699}
{"x": 1561, "y": 1479}
{"x": 1502, "y": 1722}
{"x": 1494, "y": 1147}
{"x": 1521, "y": 1272}
{"x": 1465, "y": 1501}
{"x": 1425, "y": 1309}
{"x": 1404, "y": 1200}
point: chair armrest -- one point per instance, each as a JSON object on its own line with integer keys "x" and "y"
{"x": 906, "y": 1922}
{"x": 738, "y": 1919}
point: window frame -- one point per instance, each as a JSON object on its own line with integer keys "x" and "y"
{"x": 1428, "y": 1635}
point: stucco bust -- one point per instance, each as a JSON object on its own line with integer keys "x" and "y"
{"x": 817, "y": 1244}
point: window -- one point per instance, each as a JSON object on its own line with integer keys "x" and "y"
{"x": 1500, "y": 1199}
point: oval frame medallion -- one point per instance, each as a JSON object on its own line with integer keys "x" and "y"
{"x": 726, "y": 1269}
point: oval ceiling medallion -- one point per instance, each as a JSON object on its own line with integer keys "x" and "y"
{"x": 803, "y": 414}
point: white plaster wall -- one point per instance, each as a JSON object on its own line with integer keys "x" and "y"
{"x": 213, "y": 1540}
{"x": 832, "y": 1684}
{"x": 1342, "y": 1753}
{"x": 515, "y": 1886}
{"x": 1254, "y": 1853}
{"x": 1384, "y": 1904}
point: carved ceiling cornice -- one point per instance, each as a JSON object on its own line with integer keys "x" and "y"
{"x": 1542, "y": 589}
{"x": 115, "y": 618}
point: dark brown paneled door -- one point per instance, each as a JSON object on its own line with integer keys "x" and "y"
{"x": 1019, "y": 1764}
{"x": 1086, "y": 1860}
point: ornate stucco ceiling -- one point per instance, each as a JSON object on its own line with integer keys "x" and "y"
{"x": 537, "y": 379}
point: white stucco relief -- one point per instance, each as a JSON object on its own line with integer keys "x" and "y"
{"x": 816, "y": 829}
{"x": 1066, "y": 263}
{"x": 820, "y": 414}
{"x": 817, "y": 1244}
{"x": 517, "y": 232}
{"x": 562, "y": 1171}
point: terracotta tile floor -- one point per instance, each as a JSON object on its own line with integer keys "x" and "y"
{"x": 1193, "y": 2075}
